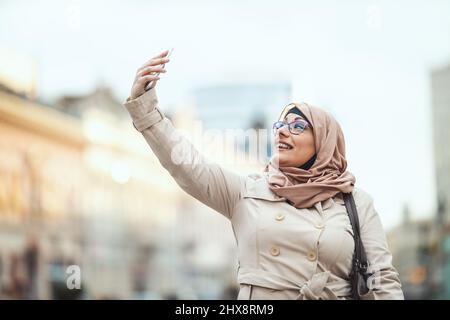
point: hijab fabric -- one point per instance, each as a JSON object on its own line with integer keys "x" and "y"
{"x": 302, "y": 186}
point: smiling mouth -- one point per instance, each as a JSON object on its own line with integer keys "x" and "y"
{"x": 284, "y": 146}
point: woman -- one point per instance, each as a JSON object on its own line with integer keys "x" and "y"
{"x": 294, "y": 237}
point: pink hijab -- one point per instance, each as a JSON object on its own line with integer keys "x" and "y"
{"x": 327, "y": 176}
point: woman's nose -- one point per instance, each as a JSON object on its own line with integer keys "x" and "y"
{"x": 284, "y": 131}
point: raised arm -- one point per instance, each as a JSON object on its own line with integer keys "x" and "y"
{"x": 208, "y": 182}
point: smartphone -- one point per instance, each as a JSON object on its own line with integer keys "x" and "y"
{"x": 151, "y": 83}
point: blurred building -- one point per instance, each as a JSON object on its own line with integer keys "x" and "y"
{"x": 79, "y": 186}
{"x": 440, "y": 84}
{"x": 421, "y": 249}
{"x": 41, "y": 176}
{"x": 244, "y": 106}
{"x": 241, "y": 105}
{"x": 414, "y": 246}
{"x": 18, "y": 72}
{"x": 102, "y": 97}
{"x": 83, "y": 191}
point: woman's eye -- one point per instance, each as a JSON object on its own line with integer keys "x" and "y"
{"x": 299, "y": 125}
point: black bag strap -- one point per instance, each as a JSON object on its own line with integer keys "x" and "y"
{"x": 360, "y": 263}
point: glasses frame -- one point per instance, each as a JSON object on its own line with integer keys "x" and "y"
{"x": 275, "y": 130}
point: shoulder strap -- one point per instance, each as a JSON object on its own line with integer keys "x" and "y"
{"x": 360, "y": 258}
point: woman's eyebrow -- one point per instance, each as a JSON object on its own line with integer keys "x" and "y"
{"x": 296, "y": 118}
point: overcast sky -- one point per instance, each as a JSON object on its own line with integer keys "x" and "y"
{"x": 368, "y": 62}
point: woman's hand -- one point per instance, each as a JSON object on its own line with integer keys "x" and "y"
{"x": 146, "y": 73}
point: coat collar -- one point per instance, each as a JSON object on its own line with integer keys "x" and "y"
{"x": 329, "y": 202}
{"x": 257, "y": 187}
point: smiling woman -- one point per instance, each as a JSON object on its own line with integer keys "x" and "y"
{"x": 295, "y": 238}
{"x": 315, "y": 154}
{"x": 295, "y": 144}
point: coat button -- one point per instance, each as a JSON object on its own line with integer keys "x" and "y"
{"x": 274, "y": 251}
{"x": 320, "y": 226}
{"x": 312, "y": 256}
{"x": 279, "y": 217}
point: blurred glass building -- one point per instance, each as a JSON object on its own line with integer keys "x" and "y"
{"x": 244, "y": 106}
{"x": 241, "y": 105}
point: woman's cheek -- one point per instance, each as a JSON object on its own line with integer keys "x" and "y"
{"x": 276, "y": 158}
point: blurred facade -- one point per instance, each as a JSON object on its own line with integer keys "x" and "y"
{"x": 79, "y": 186}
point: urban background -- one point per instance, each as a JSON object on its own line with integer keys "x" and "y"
{"x": 79, "y": 186}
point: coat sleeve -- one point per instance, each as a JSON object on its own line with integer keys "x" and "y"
{"x": 208, "y": 182}
{"x": 385, "y": 280}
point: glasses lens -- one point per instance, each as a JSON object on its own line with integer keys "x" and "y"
{"x": 298, "y": 126}
{"x": 277, "y": 125}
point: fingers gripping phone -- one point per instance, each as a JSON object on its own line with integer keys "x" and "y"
{"x": 151, "y": 84}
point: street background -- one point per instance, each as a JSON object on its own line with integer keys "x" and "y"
{"x": 79, "y": 186}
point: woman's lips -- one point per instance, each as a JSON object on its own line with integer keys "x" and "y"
{"x": 282, "y": 146}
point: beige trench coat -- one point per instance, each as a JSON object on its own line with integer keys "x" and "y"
{"x": 284, "y": 252}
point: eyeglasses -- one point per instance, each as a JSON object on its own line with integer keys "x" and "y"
{"x": 295, "y": 127}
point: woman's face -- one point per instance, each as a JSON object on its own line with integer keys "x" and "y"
{"x": 301, "y": 147}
